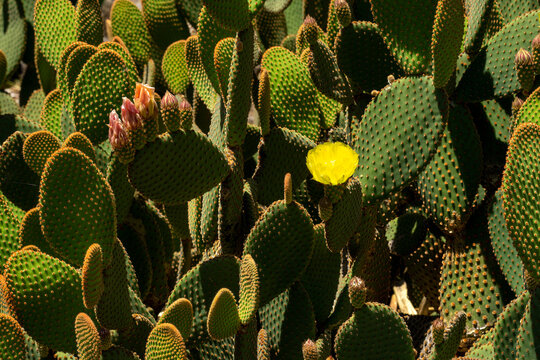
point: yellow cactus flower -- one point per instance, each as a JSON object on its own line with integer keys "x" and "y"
{"x": 332, "y": 163}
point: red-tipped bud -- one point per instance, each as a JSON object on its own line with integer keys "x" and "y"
{"x": 130, "y": 115}
{"x": 184, "y": 105}
{"x": 169, "y": 101}
{"x": 309, "y": 350}
{"x": 536, "y": 42}
{"x": 438, "y": 330}
{"x": 117, "y": 134}
{"x": 310, "y": 30}
{"x": 523, "y": 58}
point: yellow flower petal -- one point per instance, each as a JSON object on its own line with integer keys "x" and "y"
{"x": 332, "y": 163}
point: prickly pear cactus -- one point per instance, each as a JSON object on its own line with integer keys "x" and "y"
{"x": 269, "y": 179}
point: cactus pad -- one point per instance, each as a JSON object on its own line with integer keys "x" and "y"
{"x": 223, "y": 318}
{"x": 165, "y": 342}
{"x": 99, "y": 89}
{"x": 185, "y": 177}
{"x": 375, "y": 331}
{"x": 51, "y": 300}
{"x": 292, "y": 93}
{"x": 281, "y": 243}
{"x": 88, "y": 340}
{"x": 174, "y": 67}
{"x": 12, "y": 339}
{"x": 391, "y": 155}
{"x": 38, "y": 147}
{"x": 87, "y": 204}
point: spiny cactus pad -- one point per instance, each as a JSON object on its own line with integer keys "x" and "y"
{"x": 99, "y": 89}
{"x": 165, "y": 342}
{"x": 186, "y": 177}
{"x": 281, "y": 243}
{"x": 421, "y": 112}
{"x": 50, "y": 300}
{"x": 56, "y": 27}
{"x": 174, "y": 67}
{"x": 407, "y": 27}
{"x": 375, "y": 331}
{"x": 88, "y": 340}
{"x": 487, "y": 76}
{"x": 449, "y": 184}
{"x": 292, "y": 93}
{"x": 519, "y": 184}
{"x": 223, "y": 317}
{"x": 38, "y": 147}
{"x": 87, "y": 205}
{"x": 12, "y": 340}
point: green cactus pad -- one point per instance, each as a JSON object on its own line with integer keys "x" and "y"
{"x": 504, "y": 250}
{"x": 92, "y": 276}
{"x": 446, "y": 39}
{"x": 406, "y": 232}
{"x": 487, "y": 76}
{"x": 292, "y": 93}
{"x": 209, "y": 34}
{"x": 45, "y": 71}
{"x": 55, "y": 23}
{"x": 17, "y": 181}
{"x": 223, "y": 317}
{"x": 223, "y": 54}
{"x": 321, "y": 277}
{"x": 506, "y": 328}
{"x": 239, "y": 90}
{"x": 248, "y": 302}
{"x": 530, "y": 110}
{"x": 174, "y": 67}
{"x": 406, "y": 26}
{"x": 179, "y": 313}
{"x": 10, "y": 241}
{"x": 340, "y": 228}
{"x": 272, "y": 27}
{"x": 165, "y": 342}
{"x": 527, "y": 338}
{"x": 128, "y": 24}
{"x": 122, "y": 50}
{"x": 74, "y": 64}
{"x": 281, "y": 243}
{"x": 135, "y": 338}
{"x": 284, "y": 151}
{"x": 12, "y": 341}
{"x": 471, "y": 280}
{"x": 99, "y": 89}
{"x": 88, "y": 340}
{"x": 87, "y": 205}
{"x": 89, "y": 23}
{"x": 30, "y": 232}
{"x": 8, "y": 105}
{"x": 13, "y": 44}
{"x": 519, "y": 184}
{"x": 449, "y": 184}
{"x": 164, "y": 23}
{"x": 38, "y": 147}
{"x": 200, "y": 79}
{"x": 33, "y": 106}
{"x": 511, "y": 10}
{"x": 391, "y": 155}
{"x": 235, "y": 15}
{"x": 479, "y": 14}
{"x": 276, "y": 6}
{"x": 289, "y": 321}
{"x": 113, "y": 310}
{"x": 200, "y": 285}
{"x": 51, "y": 300}
{"x": 325, "y": 73}
{"x": 368, "y": 331}
{"x": 451, "y": 338}
{"x": 51, "y": 113}
{"x": 80, "y": 142}
{"x": 155, "y": 176}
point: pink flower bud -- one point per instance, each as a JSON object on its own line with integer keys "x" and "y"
{"x": 169, "y": 101}
{"x": 117, "y": 134}
{"x": 144, "y": 101}
{"x": 130, "y": 115}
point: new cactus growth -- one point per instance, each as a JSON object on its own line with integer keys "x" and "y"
{"x": 269, "y": 179}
